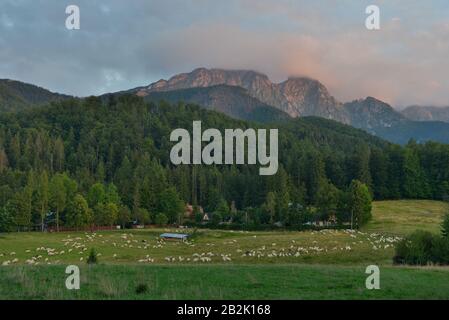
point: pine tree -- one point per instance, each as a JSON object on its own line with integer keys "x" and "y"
{"x": 4, "y": 163}
{"x": 270, "y": 205}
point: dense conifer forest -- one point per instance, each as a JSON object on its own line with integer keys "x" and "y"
{"x": 93, "y": 161}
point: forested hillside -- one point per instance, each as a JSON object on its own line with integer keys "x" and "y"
{"x": 230, "y": 100}
{"x": 104, "y": 161}
{"x": 16, "y": 95}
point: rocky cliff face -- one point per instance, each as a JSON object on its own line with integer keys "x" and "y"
{"x": 308, "y": 97}
{"x": 295, "y": 96}
{"x": 371, "y": 113}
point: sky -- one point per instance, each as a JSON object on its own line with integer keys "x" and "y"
{"x": 123, "y": 44}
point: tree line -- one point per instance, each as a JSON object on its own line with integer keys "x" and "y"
{"x": 100, "y": 161}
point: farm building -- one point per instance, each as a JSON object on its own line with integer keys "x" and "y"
{"x": 174, "y": 236}
{"x": 189, "y": 211}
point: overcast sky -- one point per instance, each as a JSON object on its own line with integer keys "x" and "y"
{"x": 128, "y": 43}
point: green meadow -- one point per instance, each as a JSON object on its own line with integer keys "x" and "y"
{"x": 217, "y": 264}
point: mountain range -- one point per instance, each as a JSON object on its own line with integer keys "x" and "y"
{"x": 297, "y": 97}
{"x": 250, "y": 95}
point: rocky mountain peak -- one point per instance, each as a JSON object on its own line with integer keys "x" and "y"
{"x": 297, "y": 96}
{"x": 372, "y": 113}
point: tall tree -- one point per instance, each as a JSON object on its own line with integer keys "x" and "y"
{"x": 58, "y": 196}
{"x": 42, "y": 197}
{"x": 78, "y": 212}
{"x": 359, "y": 203}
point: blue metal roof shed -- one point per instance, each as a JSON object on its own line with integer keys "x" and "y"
{"x": 174, "y": 236}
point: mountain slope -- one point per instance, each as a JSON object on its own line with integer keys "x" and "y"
{"x": 371, "y": 113}
{"x": 16, "y": 95}
{"x": 421, "y": 131}
{"x": 231, "y": 100}
{"x": 420, "y": 113}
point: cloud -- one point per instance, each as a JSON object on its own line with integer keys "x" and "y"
{"x": 126, "y": 44}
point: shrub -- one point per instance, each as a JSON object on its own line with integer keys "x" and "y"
{"x": 414, "y": 249}
{"x": 421, "y": 248}
{"x": 92, "y": 259}
{"x": 141, "y": 288}
{"x": 445, "y": 226}
{"x": 401, "y": 252}
{"x": 216, "y": 218}
{"x": 198, "y": 217}
{"x": 440, "y": 250}
{"x": 6, "y": 220}
{"x": 161, "y": 219}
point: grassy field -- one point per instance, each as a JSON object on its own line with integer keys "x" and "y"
{"x": 218, "y": 264}
{"x": 282, "y": 281}
{"x": 401, "y": 217}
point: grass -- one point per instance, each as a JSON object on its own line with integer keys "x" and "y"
{"x": 223, "y": 282}
{"x": 144, "y": 246}
{"x": 401, "y": 217}
{"x": 217, "y": 264}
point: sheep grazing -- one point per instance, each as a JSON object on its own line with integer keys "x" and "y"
{"x": 226, "y": 258}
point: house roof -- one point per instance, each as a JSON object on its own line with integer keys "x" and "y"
{"x": 174, "y": 235}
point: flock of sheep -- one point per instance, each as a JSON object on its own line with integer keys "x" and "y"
{"x": 77, "y": 247}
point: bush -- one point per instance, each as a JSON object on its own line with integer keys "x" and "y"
{"x": 161, "y": 219}
{"x": 445, "y": 226}
{"x": 198, "y": 217}
{"x": 6, "y": 220}
{"x": 216, "y": 218}
{"x": 421, "y": 248}
{"x": 440, "y": 251}
{"x": 401, "y": 252}
{"x": 141, "y": 288}
{"x": 92, "y": 259}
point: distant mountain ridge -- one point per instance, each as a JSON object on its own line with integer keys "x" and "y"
{"x": 16, "y": 95}
{"x": 371, "y": 114}
{"x": 251, "y": 96}
{"x": 295, "y": 96}
{"x": 421, "y": 113}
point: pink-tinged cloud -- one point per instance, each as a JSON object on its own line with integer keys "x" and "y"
{"x": 126, "y": 44}
{"x": 393, "y": 64}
